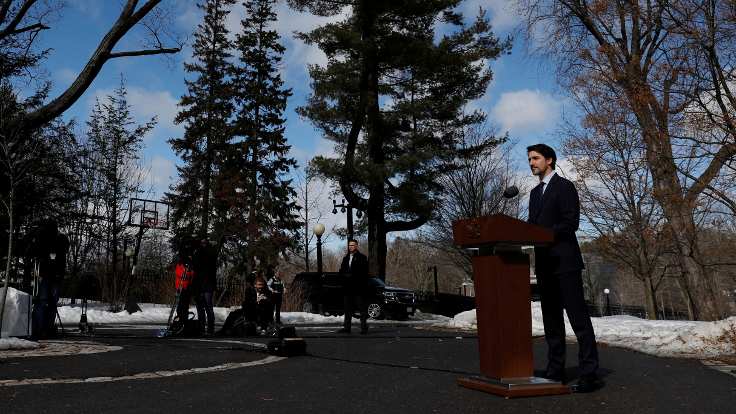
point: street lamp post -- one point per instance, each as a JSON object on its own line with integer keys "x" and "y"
{"x": 346, "y": 207}
{"x": 319, "y": 230}
{"x": 608, "y": 302}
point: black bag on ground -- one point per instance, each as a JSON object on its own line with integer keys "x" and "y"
{"x": 287, "y": 347}
{"x": 287, "y": 332}
{"x": 190, "y": 327}
{"x": 236, "y": 325}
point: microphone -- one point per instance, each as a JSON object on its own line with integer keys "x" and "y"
{"x": 508, "y": 193}
{"x": 511, "y": 192}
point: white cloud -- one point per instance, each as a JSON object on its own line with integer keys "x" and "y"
{"x": 161, "y": 173}
{"x": 525, "y": 111}
{"x": 566, "y": 168}
{"x": 501, "y": 12}
{"x": 146, "y": 104}
{"x": 320, "y": 146}
{"x": 298, "y": 55}
{"x": 189, "y": 16}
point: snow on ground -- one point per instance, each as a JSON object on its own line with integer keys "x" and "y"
{"x": 16, "y": 343}
{"x": 661, "y": 338}
{"x": 159, "y": 314}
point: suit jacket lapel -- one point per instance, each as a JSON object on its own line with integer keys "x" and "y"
{"x": 535, "y": 204}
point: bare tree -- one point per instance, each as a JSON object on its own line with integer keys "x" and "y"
{"x": 21, "y": 22}
{"x": 637, "y": 50}
{"x": 311, "y": 190}
{"x": 708, "y": 30}
{"x": 615, "y": 187}
{"x": 116, "y": 142}
{"x": 473, "y": 190}
{"x": 16, "y": 162}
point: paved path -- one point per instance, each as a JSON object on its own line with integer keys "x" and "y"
{"x": 394, "y": 369}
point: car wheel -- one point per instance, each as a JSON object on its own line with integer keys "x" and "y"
{"x": 375, "y": 311}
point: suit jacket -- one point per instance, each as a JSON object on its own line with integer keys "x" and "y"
{"x": 355, "y": 274}
{"x": 558, "y": 209}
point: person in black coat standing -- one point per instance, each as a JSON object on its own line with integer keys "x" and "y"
{"x": 354, "y": 270}
{"x": 49, "y": 249}
{"x": 203, "y": 285}
{"x": 554, "y": 204}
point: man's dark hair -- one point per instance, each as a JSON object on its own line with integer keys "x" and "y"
{"x": 352, "y": 241}
{"x": 546, "y": 151}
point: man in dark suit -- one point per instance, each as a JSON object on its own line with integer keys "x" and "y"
{"x": 354, "y": 270}
{"x": 554, "y": 204}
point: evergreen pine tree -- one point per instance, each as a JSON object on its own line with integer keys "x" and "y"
{"x": 266, "y": 201}
{"x": 393, "y": 96}
{"x": 206, "y": 110}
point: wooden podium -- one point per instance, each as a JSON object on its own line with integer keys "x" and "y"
{"x": 502, "y": 301}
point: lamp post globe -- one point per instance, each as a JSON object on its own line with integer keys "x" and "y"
{"x": 319, "y": 230}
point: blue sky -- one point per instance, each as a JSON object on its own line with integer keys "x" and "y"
{"x": 523, "y": 98}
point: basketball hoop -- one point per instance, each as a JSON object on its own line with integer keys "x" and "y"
{"x": 150, "y": 222}
{"x": 149, "y": 214}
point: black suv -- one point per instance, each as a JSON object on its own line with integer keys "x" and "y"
{"x": 324, "y": 294}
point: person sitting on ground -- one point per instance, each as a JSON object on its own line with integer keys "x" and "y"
{"x": 257, "y": 307}
{"x": 264, "y": 305}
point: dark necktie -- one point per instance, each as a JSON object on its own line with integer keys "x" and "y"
{"x": 537, "y": 199}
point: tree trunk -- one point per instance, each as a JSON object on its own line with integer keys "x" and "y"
{"x": 376, "y": 236}
{"x": 686, "y": 296}
{"x": 698, "y": 282}
{"x": 114, "y": 253}
{"x": 650, "y": 297}
{"x": 670, "y": 195}
{"x": 10, "y": 253}
{"x": 206, "y": 180}
{"x": 306, "y": 221}
{"x": 376, "y": 187}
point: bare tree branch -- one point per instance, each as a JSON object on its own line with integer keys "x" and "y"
{"x": 128, "y": 18}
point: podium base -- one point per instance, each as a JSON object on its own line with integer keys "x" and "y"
{"x": 515, "y": 387}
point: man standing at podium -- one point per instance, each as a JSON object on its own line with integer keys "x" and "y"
{"x": 554, "y": 204}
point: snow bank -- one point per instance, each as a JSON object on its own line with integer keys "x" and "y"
{"x": 464, "y": 320}
{"x": 150, "y": 313}
{"x": 159, "y": 314}
{"x": 15, "y": 343}
{"x": 661, "y": 338}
